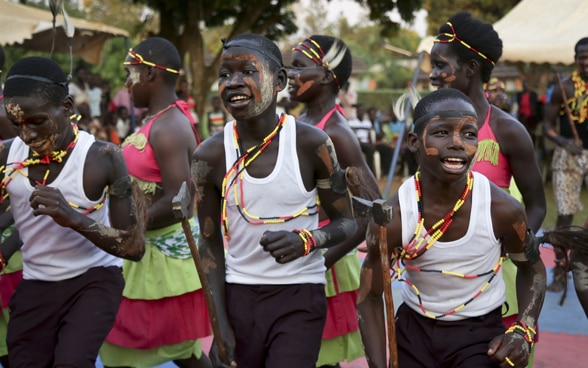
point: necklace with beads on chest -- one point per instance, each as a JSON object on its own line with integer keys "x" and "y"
{"x": 10, "y": 170}
{"x": 234, "y": 178}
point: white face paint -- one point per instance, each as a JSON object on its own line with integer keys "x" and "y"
{"x": 134, "y": 76}
{"x": 267, "y": 89}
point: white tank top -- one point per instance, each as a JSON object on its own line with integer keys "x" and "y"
{"x": 51, "y": 252}
{"x": 478, "y": 251}
{"x": 281, "y": 193}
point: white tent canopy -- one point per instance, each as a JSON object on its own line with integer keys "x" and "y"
{"x": 32, "y": 28}
{"x": 543, "y": 31}
{"x": 538, "y": 31}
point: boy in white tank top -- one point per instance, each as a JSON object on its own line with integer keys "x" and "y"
{"x": 58, "y": 179}
{"x": 450, "y": 229}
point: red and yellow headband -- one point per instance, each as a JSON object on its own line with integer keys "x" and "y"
{"x": 453, "y": 37}
{"x": 140, "y": 60}
{"x": 317, "y": 57}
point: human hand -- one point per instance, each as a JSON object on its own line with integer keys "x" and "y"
{"x": 509, "y": 350}
{"x": 284, "y": 246}
{"x": 571, "y": 146}
{"x": 49, "y": 201}
{"x": 215, "y": 359}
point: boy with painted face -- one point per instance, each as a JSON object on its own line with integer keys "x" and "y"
{"x": 72, "y": 203}
{"x": 257, "y": 182}
{"x": 448, "y": 231}
{"x": 463, "y": 57}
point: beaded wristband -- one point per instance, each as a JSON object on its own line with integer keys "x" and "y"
{"x": 308, "y": 240}
{"x": 520, "y": 328}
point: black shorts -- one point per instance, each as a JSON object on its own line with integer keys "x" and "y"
{"x": 431, "y": 343}
{"x": 63, "y": 322}
{"x": 277, "y": 326}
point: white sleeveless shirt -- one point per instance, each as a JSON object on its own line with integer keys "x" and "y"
{"x": 478, "y": 251}
{"x": 281, "y": 193}
{"x": 51, "y": 252}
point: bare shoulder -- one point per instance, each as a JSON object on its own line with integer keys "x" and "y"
{"x": 105, "y": 154}
{"x": 211, "y": 149}
{"x": 309, "y": 136}
{"x": 505, "y": 208}
{"x": 510, "y": 133}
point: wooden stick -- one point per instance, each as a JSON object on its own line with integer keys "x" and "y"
{"x": 389, "y": 302}
{"x": 567, "y": 109}
{"x": 180, "y": 208}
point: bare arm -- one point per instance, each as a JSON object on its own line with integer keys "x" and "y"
{"x": 173, "y": 143}
{"x": 511, "y": 227}
{"x": 518, "y": 148}
{"x": 124, "y": 238}
{"x": 320, "y": 159}
{"x": 360, "y": 182}
{"x": 370, "y": 305}
{"x": 207, "y": 172}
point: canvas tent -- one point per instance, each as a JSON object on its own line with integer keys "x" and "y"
{"x": 538, "y": 31}
{"x": 543, "y": 31}
{"x": 31, "y": 28}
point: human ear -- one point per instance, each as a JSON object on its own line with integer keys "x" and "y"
{"x": 67, "y": 103}
{"x": 413, "y": 143}
{"x": 281, "y": 79}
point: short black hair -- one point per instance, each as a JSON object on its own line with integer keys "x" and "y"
{"x": 479, "y": 35}
{"x": 580, "y": 43}
{"x": 343, "y": 69}
{"x": 162, "y": 52}
{"x": 37, "y": 76}
{"x": 261, "y": 45}
{"x": 423, "y": 107}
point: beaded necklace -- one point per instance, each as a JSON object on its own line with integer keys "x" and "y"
{"x": 234, "y": 179}
{"x": 415, "y": 249}
{"x": 12, "y": 169}
{"x": 579, "y": 103}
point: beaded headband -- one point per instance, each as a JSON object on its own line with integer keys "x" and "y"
{"x": 251, "y": 45}
{"x": 330, "y": 60}
{"x": 453, "y": 37}
{"x": 494, "y": 84}
{"x": 446, "y": 114}
{"x": 140, "y": 60}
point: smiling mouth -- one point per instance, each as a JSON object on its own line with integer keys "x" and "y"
{"x": 239, "y": 98}
{"x": 454, "y": 163}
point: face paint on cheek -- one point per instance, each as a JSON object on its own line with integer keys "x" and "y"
{"x": 429, "y": 151}
{"x": 135, "y": 77}
{"x": 266, "y": 93}
{"x": 303, "y": 86}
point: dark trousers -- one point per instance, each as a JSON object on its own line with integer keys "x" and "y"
{"x": 430, "y": 343}
{"x": 277, "y": 326}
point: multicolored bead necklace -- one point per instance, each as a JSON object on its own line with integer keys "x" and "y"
{"x": 415, "y": 247}
{"x": 421, "y": 243}
{"x": 234, "y": 179}
{"x": 12, "y": 169}
{"x": 579, "y": 103}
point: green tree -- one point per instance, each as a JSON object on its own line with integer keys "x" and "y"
{"x": 186, "y": 23}
{"x": 487, "y": 10}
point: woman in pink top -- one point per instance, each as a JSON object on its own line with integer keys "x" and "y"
{"x": 163, "y": 314}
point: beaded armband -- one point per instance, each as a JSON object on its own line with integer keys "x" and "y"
{"x": 307, "y": 240}
{"x": 521, "y": 328}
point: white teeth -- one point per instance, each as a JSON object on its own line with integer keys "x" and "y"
{"x": 454, "y": 159}
{"x": 238, "y": 98}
